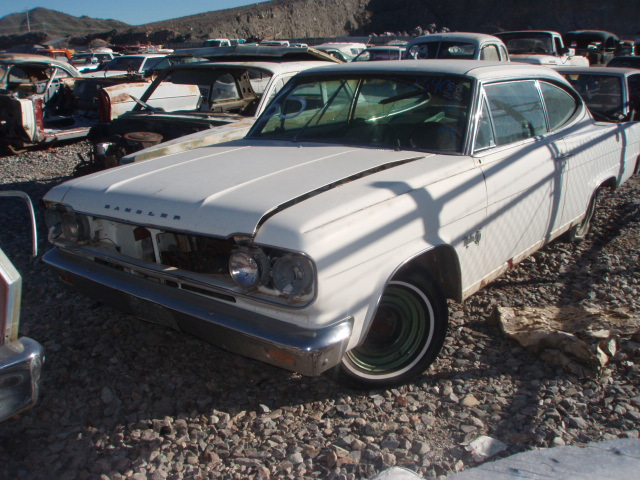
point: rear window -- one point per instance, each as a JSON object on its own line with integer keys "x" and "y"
{"x": 451, "y": 50}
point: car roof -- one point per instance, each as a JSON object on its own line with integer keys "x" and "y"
{"x": 25, "y": 58}
{"x": 386, "y": 47}
{"x": 453, "y": 36}
{"x": 481, "y": 70}
{"x": 340, "y": 45}
{"x": 273, "y": 67}
{"x": 143, "y": 55}
{"x": 258, "y": 53}
{"x": 535, "y": 32}
{"x": 596, "y": 34}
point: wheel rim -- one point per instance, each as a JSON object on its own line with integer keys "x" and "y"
{"x": 399, "y": 335}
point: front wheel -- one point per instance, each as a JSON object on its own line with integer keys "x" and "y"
{"x": 404, "y": 338}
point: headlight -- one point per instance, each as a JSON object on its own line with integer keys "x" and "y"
{"x": 292, "y": 275}
{"x": 249, "y": 268}
{"x": 65, "y": 226}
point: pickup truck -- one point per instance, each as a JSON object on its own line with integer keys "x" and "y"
{"x": 540, "y": 47}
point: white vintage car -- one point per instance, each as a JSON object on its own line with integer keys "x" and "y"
{"x": 540, "y": 47}
{"x": 363, "y": 197}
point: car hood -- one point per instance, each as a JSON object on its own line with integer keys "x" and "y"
{"x": 223, "y": 190}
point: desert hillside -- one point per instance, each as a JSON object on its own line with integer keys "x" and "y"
{"x": 327, "y": 18}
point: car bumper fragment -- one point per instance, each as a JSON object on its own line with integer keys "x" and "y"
{"x": 303, "y": 350}
{"x": 20, "y": 369}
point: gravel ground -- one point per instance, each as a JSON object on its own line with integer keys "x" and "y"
{"x": 122, "y": 398}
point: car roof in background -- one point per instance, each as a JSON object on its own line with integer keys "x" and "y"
{"x": 281, "y": 66}
{"x": 453, "y": 36}
{"x": 622, "y": 71}
{"x": 259, "y": 53}
{"x": 30, "y": 58}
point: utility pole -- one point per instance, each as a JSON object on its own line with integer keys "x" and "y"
{"x": 28, "y": 24}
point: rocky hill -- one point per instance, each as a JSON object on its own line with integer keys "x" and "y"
{"x": 55, "y": 23}
{"x": 327, "y": 18}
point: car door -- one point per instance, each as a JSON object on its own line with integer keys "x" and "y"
{"x": 522, "y": 169}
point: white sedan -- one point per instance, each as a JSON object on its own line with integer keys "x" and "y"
{"x": 365, "y": 196}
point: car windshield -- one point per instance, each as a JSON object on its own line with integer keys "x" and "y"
{"x": 80, "y": 59}
{"x": 601, "y": 93}
{"x": 425, "y": 112}
{"x": 528, "y": 43}
{"x": 127, "y": 64}
{"x": 431, "y": 50}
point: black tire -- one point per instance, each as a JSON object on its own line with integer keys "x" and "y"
{"x": 405, "y": 336}
{"x": 579, "y": 232}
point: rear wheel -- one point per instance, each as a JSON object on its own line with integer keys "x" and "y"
{"x": 404, "y": 338}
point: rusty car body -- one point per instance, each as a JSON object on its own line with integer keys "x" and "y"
{"x": 211, "y": 102}
{"x": 43, "y": 101}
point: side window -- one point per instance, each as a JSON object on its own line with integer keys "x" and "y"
{"x": 517, "y": 111}
{"x": 485, "y": 137}
{"x": 634, "y": 95}
{"x": 490, "y": 52}
{"x": 560, "y": 104}
{"x": 557, "y": 44}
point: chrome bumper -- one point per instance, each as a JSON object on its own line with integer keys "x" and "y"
{"x": 302, "y": 350}
{"x": 20, "y": 368}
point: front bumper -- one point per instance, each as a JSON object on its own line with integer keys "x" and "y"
{"x": 303, "y": 350}
{"x": 20, "y": 369}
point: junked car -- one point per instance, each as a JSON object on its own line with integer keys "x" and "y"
{"x": 21, "y": 358}
{"x": 598, "y": 46}
{"x": 211, "y": 102}
{"x": 458, "y": 46}
{"x": 367, "y": 194}
{"x": 540, "y": 47}
{"x": 612, "y": 94}
{"x": 90, "y": 61}
{"x": 343, "y": 51}
{"x": 43, "y": 101}
{"x": 128, "y": 64}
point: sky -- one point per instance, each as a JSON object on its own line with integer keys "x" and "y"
{"x": 136, "y": 12}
